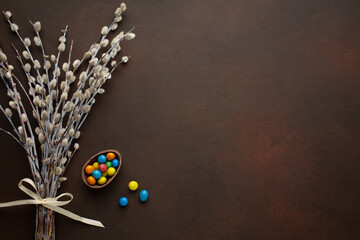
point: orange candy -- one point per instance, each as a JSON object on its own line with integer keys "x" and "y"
{"x": 110, "y": 156}
{"x": 91, "y": 180}
{"x": 89, "y": 169}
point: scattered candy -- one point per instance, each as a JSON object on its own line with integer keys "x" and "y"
{"x": 115, "y": 163}
{"x": 102, "y": 168}
{"x": 111, "y": 171}
{"x": 91, "y": 180}
{"x": 101, "y": 159}
{"x": 110, "y": 156}
{"x": 133, "y": 185}
{"x": 89, "y": 169}
{"x": 123, "y": 201}
{"x": 108, "y": 164}
{"x": 102, "y": 180}
{"x": 96, "y": 174}
{"x": 144, "y": 195}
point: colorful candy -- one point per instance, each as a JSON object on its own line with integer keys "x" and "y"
{"x": 91, "y": 180}
{"x": 110, "y": 156}
{"x": 144, "y": 195}
{"x": 123, "y": 201}
{"x": 102, "y": 168}
{"x": 102, "y": 180}
{"x": 96, "y": 165}
{"x": 89, "y": 169}
{"x": 96, "y": 174}
{"x": 111, "y": 171}
{"x": 108, "y": 164}
{"x": 133, "y": 185}
{"x": 101, "y": 159}
{"x": 99, "y": 172}
{"x": 115, "y": 163}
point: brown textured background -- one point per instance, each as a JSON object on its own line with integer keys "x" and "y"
{"x": 242, "y": 118}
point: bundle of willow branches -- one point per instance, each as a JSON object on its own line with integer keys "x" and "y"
{"x": 59, "y": 97}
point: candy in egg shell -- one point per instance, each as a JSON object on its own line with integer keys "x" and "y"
{"x": 103, "y": 168}
{"x": 96, "y": 165}
{"x": 111, "y": 171}
{"x": 96, "y": 174}
{"x": 101, "y": 159}
{"x": 110, "y": 156}
{"x": 89, "y": 169}
{"x": 115, "y": 163}
{"x": 102, "y": 180}
{"x": 108, "y": 164}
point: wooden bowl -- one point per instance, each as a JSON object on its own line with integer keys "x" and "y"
{"x": 93, "y": 159}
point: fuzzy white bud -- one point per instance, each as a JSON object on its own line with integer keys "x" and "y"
{"x": 118, "y": 11}
{"x": 118, "y": 19}
{"x": 37, "y": 65}
{"x": 37, "y": 26}
{"x": 27, "y": 42}
{"x": 62, "y": 39}
{"x": 26, "y": 54}
{"x": 87, "y": 55}
{"x": 27, "y": 67}
{"x": 104, "y": 30}
{"x": 61, "y": 47}
{"x": 30, "y": 142}
{"x": 64, "y": 142}
{"x": 64, "y": 96}
{"x": 12, "y": 104}
{"x": 14, "y": 27}
{"x": 65, "y": 67}
{"x": 104, "y": 43}
{"x": 76, "y": 146}
{"x": 77, "y": 135}
{"x": 3, "y": 57}
{"x": 114, "y": 27}
{"x": 76, "y": 63}
{"x": 8, "y": 15}
{"x": 58, "y": 171}
{"x": 41, "y": 138}
{"x": 93, "y": 61}
{"x": 123, "y": 6}
{"x": 129, "y": 36}
{"x": 8, "y": 112}
{"x": 24, "y": 117}
{"x": 37, "y": 41}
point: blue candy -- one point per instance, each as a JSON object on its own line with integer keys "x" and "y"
{"x": 102, "y": 159}
{"x": 144, "y": 195}
{"x": 96, "y": 174}
{"x": 123, "y": 201}
{"x": 115, "y": 163}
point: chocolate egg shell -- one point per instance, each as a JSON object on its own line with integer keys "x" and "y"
{"x": 93, "y": 159}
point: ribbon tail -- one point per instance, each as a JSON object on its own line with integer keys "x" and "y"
{"x": 74, "y": 216}
{"x": 18, "y": 203}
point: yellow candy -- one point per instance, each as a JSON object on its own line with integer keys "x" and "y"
{"x": 133, "y": 185}
{"x": 96, "y": 165}
{"x": 104, "y": 174}
{"x": 102, "y": 180}
{"x": 111, "y": 171}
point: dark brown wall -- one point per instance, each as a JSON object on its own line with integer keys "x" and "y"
{"x": 242, "y": 118}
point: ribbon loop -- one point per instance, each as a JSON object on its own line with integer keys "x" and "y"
{"x": 50, "y": 203}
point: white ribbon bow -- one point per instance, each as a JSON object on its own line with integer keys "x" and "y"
{"x": 50, "y": 203}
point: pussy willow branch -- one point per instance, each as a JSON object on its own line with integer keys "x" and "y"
{"x": 59, "y": 109}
